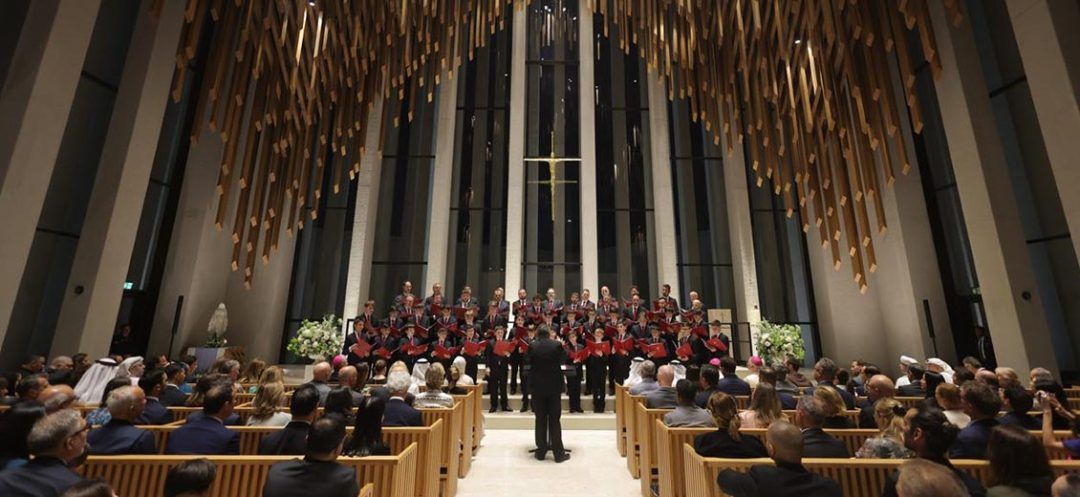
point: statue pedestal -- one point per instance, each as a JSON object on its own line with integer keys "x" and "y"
{"x": 207, "y": 355}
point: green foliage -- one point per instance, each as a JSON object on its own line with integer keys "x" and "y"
{"x": 774, "y": 342}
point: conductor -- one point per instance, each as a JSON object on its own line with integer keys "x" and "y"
{"x": 546, "y": 357}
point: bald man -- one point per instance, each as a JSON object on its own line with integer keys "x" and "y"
{"x": 348, "y": 377}
{"x": 320, "y": 375}
{"x": 56, "y": 397}
{"x": 663, "y": 397}
{"x": 878, "y": 387}
{"x": 788, "y": 478}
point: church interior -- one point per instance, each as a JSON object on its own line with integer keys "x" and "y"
{"x": 410, "y": 247}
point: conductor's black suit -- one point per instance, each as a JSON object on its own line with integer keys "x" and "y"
{"x": 546, "y": 383}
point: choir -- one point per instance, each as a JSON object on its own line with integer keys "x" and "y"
{"x": 601, "y": 338}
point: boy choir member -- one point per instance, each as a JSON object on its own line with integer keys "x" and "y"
{"x": 596, "y": 365}
{"x": 574, "y": 361}
{"x": 522, "y": 350}
{"x": 410, "y": 338}
{"x": 393, "y": 320}
{"x": 474, "y": 340}
{"x": 497, "y": 365}
{"x": 620, "y": 357}
{"x": 667, "y": 350}
{"x": 706, "y": 351}
{"x": 494, "y": 319}
{"x": 447, "y": 344}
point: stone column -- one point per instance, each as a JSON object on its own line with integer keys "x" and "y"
{"x": 741, "y": 232}
{"x": 1049, "y": 42}
{"x": 667, "y": 253}
{"x": 590, "y": 263}
{"x": 441, "y": 178}
{"x": 112, "y": 218}
{"x": 1007, "y": 283}
{"x": 34, "y": 109}
{"x": 358, "y": 283}
{"x": 515, "y": 185}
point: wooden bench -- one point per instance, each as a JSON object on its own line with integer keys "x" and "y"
{"x": 646, "y": 420}
{"x": 244, "y": 476}
{"x": 633, "y": 455}
{"x": 467, "y": 402}
{"x": 670, "y": 465}
{"x": 621, "y": 400}
{"x": 858, "y": 477}
{"x": 428, "y": 440}
{"x": 478, "y": 414}
{"x": 451, "y": 444}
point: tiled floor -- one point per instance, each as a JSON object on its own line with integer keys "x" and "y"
{"x": 504, "y": 467}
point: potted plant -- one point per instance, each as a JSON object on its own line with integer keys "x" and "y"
{"x": 774, "y": 342}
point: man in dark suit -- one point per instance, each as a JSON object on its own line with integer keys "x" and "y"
{"x": 708, "y": 379}
{"x": 205, "y": 433}
{"x": 120, "y": 436}
{"x": 731, "y": 384}
{"x": 318, "y": 473}
{"x": 666, "y": 298}
{"x": 155, "y": 412}
{"x": 787, "y": 478}
{"x": 290, "y": 440}
{"x": 878, "y": 387}
{"x": 809, "y": 417}
{"x": 982, "y": 404}
{"x": 397, "y": 412}
{"x": 915, "y": 373}
{"x": 175, "y": 374}
{"x": 546, "y": 357}
{"x": 665, "y": 396}
{"x": 57, "y": 442}
{"x": 929, "y": 435}
{"x": 825, "y": 374}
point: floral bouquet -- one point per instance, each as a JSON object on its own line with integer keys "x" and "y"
{"x": 317, "y": 340}
{"x": 774, "y": 342}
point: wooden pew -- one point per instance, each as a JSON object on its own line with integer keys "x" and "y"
{"x": 244, "y": 476}
{"x": 428, "y": 440}
{"x": 451, "y": 450}
{"x": 858, "y": 477}
{"x": 465, "y": 457}
{"x": 670, "y": 465}
{"x": 622, "y": 396}
{"x": 478, "y": 414}
{"x": 646, "y": 434}
{"x": 633, "y": 457}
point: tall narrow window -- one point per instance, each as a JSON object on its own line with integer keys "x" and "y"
{"x": 552, "y": 150}
{"x": 477, "y": 245}
{"x": 625, "y": 224}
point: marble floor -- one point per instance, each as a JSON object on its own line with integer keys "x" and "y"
{"x": 503, "y": 466}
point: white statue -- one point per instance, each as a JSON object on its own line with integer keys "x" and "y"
{"x": 219, "y": 322}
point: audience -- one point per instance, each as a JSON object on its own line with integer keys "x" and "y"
{"x": 15, "y": 425}
{"x": 30, "y": 387}
{"x": 290, "y": 439}
{"x": 378, "y": 372}
{"x": 89, "y": 488}
{"x": 320, "y": 375}
{"x": 787, "y": 397}
{"x": 1067, "y": 485}
{"x": 726, "y": 440}
{"x": 731, "y": 384}
{"x": 889, "y": 442}
{"x": 834, "y": 409}
{"x": 764, "y": 408}
{"x": 1050, "y": 406}
{"x": 154, "y": 413}
{"x": 461, "y": 364}
{"x": 914, "y": 388}
{"x": 453, "y": 382}
{"x": 710, "y": 377}
{"x": 398, "y": 413}
{"x": 753, "y": 365}
{"x": 948, "y": 399}
{"x": 206, "y": 433}
{"x": 253, "y": 373}
{"x": 172, "y": 395}
{"x": 686, "y": 413}
{"x": 825, "y": 374}
{"x": 191, "y": 478}
{"x": 317, "y": 473}
{"x": 1019, "y": 466}
{"x": 809, "y": 417}
{"x": 57, "y": 397}
{"x": 648, "y": 383}
{"x": 348, "y": 378}
{"x": 930, "y": 384}
{"x": 367, "y": 437}
{"x": 433, "y": 396}
{"x": 56, "y": 443}
{"x": 878, "y": 387}
{"x": 266, "y": 406}
{"x": 120, "y": 436}
{"x": 787, "y": 478}
{"x": 981, "y": 404}
{"x": 1017, "y": 402}
{"x": 794, "y": 377}
{"x": 664, "y": 397}
{"x": 339, "y": 402}
{"x": 60, "y": 371}
{"x": 922, "y": 478}
{"x": 1007, "y": 378}
{"x": 101, "y": 415}
{"x": 929, "y": 435}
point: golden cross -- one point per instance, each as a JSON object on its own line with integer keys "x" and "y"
{"x": 552, "y": 160}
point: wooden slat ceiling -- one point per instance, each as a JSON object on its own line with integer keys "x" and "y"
{"x": 805, "y": 85}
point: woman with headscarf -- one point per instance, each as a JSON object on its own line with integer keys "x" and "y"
{"x": 133, "y": 368}
{"x": 464, "y": 379}
{"x": 635, "y": 372}
{"x": 93, "y": 381}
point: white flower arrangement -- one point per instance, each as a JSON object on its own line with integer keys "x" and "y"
{"x": 317, "y": 340}
{"x": 774, "y": 342}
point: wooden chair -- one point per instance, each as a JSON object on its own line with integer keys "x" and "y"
{"x": 451, "y": 445}
{"x": 244, "y": 476}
